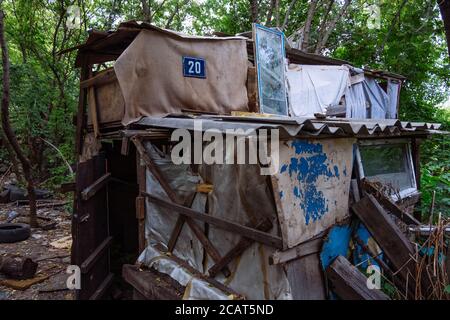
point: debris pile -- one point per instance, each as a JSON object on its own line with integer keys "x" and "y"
{"x": 372, "y": 257}
{"x": 33, "y": 261}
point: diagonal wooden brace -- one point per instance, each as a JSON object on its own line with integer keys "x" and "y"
{"x": 238, "y": 249}
{"x": 208, "y": 246}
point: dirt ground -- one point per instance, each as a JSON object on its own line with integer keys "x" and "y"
{"x": 52, "y": 257}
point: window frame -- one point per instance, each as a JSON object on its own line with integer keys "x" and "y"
{"x": 409, "y": 161}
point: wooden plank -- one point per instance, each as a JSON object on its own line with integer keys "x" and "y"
{"x": 90, "y": 191}
{"x": 305, "y": 278}
{"x": 140, "y": 202}
{"x": 94, "y": 256}
{"x": 93, "y": 111}
{"x": 302, "y": 250}
{"x": 67, "y": 187}
{"x": 152, "y": 284}
{"x": 388, "y": 235}
{"x": 140, "y": 208}
{"x": 250, "y": 233}
{"x": 104, "y": 286}
{"x": 390, "y": 205}
{"x": 355, "y": 190}
{"x": 238, "y": 249}
{"x": 125, "y": 149}
{"x": 81, "y": 119}
{"x": 100, "y": 79}
{"x": 175, "y": 233}
{"x": 349, "y": 283}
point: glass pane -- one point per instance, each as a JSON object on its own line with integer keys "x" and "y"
{"x": 388, "y": 164}
{"x": 270, "y": 64}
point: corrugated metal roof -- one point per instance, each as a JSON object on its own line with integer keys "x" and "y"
{"x": 290, "y": 127}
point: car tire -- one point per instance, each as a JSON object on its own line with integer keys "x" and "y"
{"x": 14, "y": 232}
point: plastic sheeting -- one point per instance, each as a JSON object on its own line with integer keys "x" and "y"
{"x": 393, "y": 91}
{"x": 312, "y": 89}
{"x": 160, "y": 222}
{"x": 196, "y": 289}
{"x": 240, "y": 194}
{"x": 366, "y": 99}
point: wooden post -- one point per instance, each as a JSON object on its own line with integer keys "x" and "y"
{"x": 415, "y": 150}
{"x": 140, "y": 201}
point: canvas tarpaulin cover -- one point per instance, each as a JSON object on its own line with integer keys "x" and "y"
{"x": 150, "y": 74}
{"x": 240, "y": 194}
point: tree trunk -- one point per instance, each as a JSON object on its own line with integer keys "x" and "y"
{"x": 309, "y": 18}
{"x": 26, "y": 167}
{"x": 146, "y": 11}
{"x": 254, "y": 10}
{"x": 444, "y": 7}
{"x": 330, "y": 27}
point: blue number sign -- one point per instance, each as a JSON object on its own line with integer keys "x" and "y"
{"x": 194, "y": 67}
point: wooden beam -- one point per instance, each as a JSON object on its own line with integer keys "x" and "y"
{"x": 387, "y": 234}
{"x": 90, "y": 191}
{"x": 300, "y": 251}
{"x": 100, "y": 79}
{"x": 81, "y": 119}
{"x": 306, "y": 278}
{"x": 104, "y": 286}
{"x": 141, "y": 209}
{"x": 151, "y": 284}
{"x": 95, "y": 255}
{"x": 390, "y": 205}
{"x": 67, "y": 187}
{"x": 250, "y": 233}
{"x": 125, "y": 148}
{"x": 349, "y": 283}
{"x": 175, "y": 233}
{"x": 93, "y": 111}
{"x": 238, "y": 249}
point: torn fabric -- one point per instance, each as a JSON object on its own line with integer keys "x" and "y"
{"x": 312, "y": 88}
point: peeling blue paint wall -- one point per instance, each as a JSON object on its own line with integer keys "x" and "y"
{"x": 308, "y": 164}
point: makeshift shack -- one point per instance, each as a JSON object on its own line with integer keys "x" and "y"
{"x": 226, "y": 231}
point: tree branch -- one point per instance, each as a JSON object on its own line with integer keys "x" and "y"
{"x": 330, "y": 27}
{"x": 307, "y": 29}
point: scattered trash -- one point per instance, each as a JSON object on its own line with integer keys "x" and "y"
{"x": 11, "y": 216}
{"x": 18, "y": 267}
{"x": 23, "y": 284}
{"x": 3, "y": 295}
{"x": 63, "y": 243}
{"x": 12, "y": 193}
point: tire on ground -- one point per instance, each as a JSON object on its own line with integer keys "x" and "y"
{"x": 14, "y": 232}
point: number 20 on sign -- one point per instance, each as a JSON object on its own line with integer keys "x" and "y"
{"x": 194, "y": 67}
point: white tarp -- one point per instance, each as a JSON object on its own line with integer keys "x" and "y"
{"x": 312, "y": 88}
{"x": 315, "y": 88}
